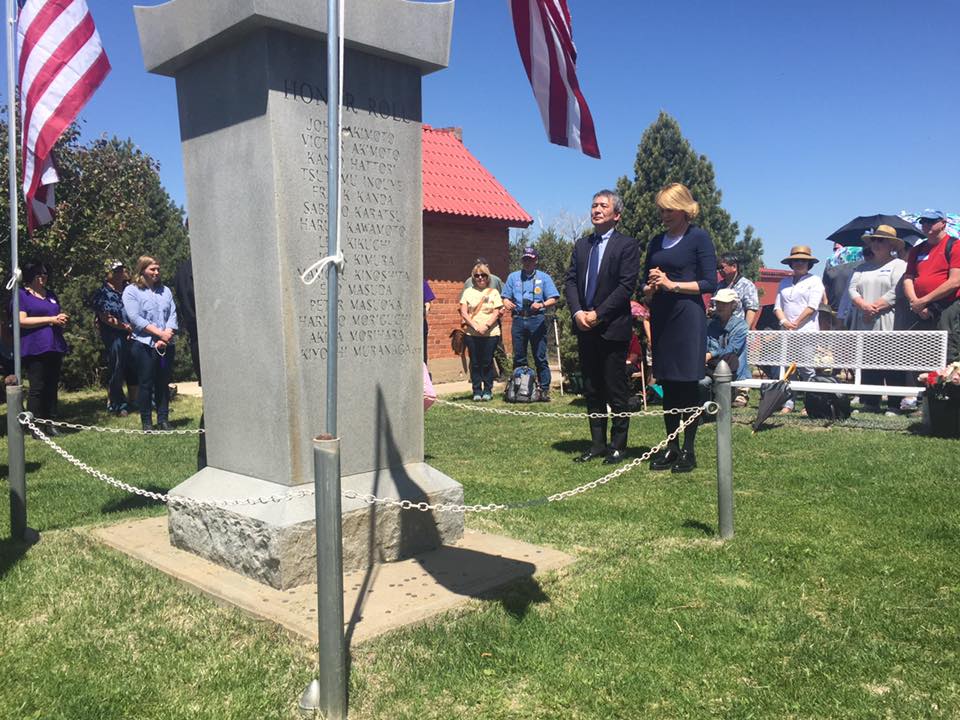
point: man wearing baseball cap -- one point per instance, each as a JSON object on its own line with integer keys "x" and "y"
{"x": 527, "y": 293}
{"x": 727, "y": 336}
{"x": 931, "y": 283}
{"x": 114, "y": 332}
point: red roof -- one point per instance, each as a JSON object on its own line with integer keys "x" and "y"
{"x": 455, "y": 183}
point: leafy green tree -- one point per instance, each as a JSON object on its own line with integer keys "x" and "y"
{"x": 665, "y": 156}
{"x": 110, "y": 205}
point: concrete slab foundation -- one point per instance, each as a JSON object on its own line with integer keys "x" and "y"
{"x": 377, "y": 599}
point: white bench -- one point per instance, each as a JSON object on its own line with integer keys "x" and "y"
{"x": 914, "y": 351}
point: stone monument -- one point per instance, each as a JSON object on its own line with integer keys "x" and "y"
{"x": 251, "y": 90}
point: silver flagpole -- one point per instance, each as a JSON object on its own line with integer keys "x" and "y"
{"x": 328, "y": 693}
{"x": 17, "y": 474}
{"x": 12, "y": 174}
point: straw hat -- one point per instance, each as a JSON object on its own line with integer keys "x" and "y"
{"x": 800, "y": 252}
{"x": 887, "y": 233}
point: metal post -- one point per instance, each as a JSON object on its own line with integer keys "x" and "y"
{"x": 556, "y": 334}
{"x": 12, "y": 174}
{"x": 722, "y": 395}
{"x": 17, "y": 471}
{"x": 328, "y": 694}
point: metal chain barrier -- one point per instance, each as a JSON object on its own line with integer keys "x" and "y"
{"x": 27, "y": 420}
{"x": 709, "y": 407}
{"x": 116, "y": 431}
{"x": 566, "y": 416}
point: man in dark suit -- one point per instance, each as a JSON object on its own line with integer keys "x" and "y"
{"x": 598, "y": 286}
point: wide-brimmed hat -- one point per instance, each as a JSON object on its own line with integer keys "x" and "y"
{"x": 887, "y": 233}
{"x": 726, "y": 295}
{"x": 800, "y": 252}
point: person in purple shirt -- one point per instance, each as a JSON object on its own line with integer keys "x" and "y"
{"x": 42, "y": 345}
{"x": 148, "y": 308}
{"x": 428, "y": 298}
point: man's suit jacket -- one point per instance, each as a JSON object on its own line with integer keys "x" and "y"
{"x": 616, "y": 282}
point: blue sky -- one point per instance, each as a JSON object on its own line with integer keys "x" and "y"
{"x": 811, "y": 112}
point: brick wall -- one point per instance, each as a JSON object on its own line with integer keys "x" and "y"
{"x": 450, "y": 246}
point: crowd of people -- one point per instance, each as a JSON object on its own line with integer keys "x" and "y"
{"x": 136, "y": 318}
{"x": 657, "y": 329}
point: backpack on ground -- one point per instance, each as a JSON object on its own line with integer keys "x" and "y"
{"x": 827, "y": 405}
{"x": 522, "y": 386}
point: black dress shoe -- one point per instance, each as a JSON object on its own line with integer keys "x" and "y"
{"x": 589, "y": 455}
{"x": 164, "y": 426}
{"x": 686, "y": 462}
{"x": 52, "y": 431}
{"x": 148, "y": 428}
{"x": 665, "y": 459}
{"x": 614, "y": 457}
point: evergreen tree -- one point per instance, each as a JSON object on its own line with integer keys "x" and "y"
{"x": 665, "y": 156}
{"x": 110, "y": 205}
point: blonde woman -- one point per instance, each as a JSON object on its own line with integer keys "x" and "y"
{"x": 148, "y": 307}
{"x": 480, "y": 310}
{"x": 681, "y": 266}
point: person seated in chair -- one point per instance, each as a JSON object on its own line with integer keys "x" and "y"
{"x": 726, "y": 338}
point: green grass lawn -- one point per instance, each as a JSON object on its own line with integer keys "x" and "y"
{"x": 837, "y": 598}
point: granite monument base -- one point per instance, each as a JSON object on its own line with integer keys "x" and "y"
{"x": 275, "y": 543}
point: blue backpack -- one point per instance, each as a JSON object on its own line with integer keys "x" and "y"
{"x": 522, "y": 386}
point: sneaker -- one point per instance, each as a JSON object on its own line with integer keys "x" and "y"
{"x": 477, "y": 398}
{"x": 891, "y": 413}
{"x": 908, "y": 404}
{"x": 486, "y": 397}
{"x": 740, "y": 401}
{"x": 544, "y": 396}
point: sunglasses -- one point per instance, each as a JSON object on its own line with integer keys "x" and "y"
{"x": 929, "y": 221}
{"x": 878, "y": 239}
{"x": 480, "y": 276}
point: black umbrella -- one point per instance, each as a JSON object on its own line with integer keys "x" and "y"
{"x": 851, "y": 233}
{"x": 773, "y": 396}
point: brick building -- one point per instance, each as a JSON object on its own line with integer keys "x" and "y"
{"x": 466, "y": 214}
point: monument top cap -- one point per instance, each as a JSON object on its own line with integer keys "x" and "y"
{"x": 177, "y": 33}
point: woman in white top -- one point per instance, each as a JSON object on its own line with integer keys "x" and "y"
{"x": 873, "y": 290}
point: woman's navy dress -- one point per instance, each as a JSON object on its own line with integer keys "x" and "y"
{"x": 678, "y": 320}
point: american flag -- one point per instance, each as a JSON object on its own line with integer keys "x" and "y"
{"x": 62, "y": 63}
{"x": 545, "y": 38}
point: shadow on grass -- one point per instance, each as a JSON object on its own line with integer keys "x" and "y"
{"x": 573, "y": 448}
{"x": 84, "y": 410}
{"x": 691, "y": 524}
{"x": 11, "y": 551}
{"x": 29, "y": 466}
{"x": 134, "y": 502}
{"x": 517, "y": 597}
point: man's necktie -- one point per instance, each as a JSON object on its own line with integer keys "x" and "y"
{"x": 593, "y": 265}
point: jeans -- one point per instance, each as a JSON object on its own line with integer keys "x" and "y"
{"x": 153, "y": 374}
{"x": 43, "y": 374}
{"x": 118, "y": 355}
{"x": 533, "y": 330}
{"x": 481, "y": 362}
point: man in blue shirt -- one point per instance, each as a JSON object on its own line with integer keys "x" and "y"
{"x": 526, "y": 294}
{"x": 726, "y": 337}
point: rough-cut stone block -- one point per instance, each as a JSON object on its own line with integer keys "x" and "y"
{"x": 274, "y": 542}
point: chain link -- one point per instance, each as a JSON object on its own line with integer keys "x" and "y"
{"x": 567, "y": 416}
{"x": 116, "y": 431}
{"x": 556, "y": 497}
{"x": 27, "y": 420}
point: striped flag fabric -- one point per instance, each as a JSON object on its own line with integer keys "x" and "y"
{"x": 62, "y": 63}
{"x": 545, "y": 39}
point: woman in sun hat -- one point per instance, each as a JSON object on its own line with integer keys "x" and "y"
{"x": 873, "y": 290}
{"x": 798, "y": 301}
